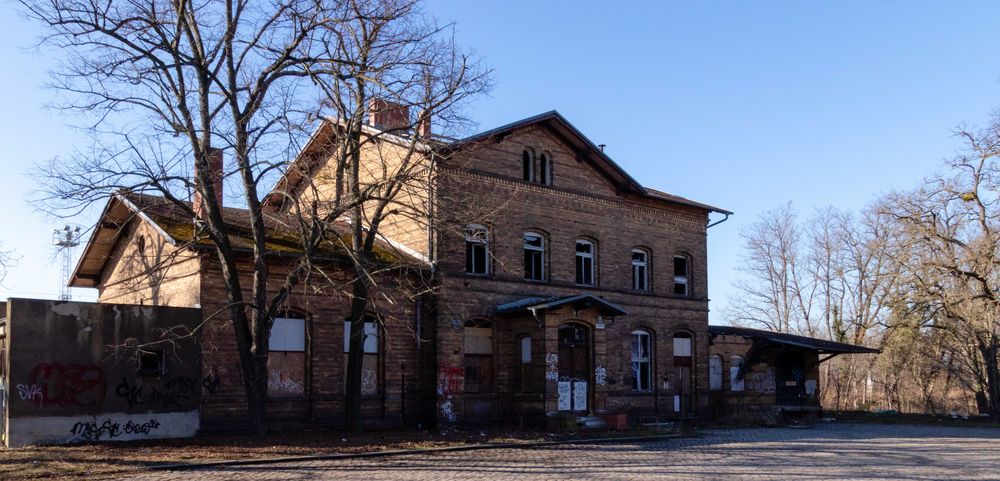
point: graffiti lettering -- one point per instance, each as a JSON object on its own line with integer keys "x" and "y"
{"x": 448, "y": 412}
{"x": 760, "y": 382}
{"x": 30, "y": 393}
{"x": 600, "y": 376}
{"x": 70, "y": 384}
{"x": 368, "y": 382}
{"x": 552, "y": 367}
{"x": 280, "y": 382}
{"x": 175, "y": 391}
{"x": 92, "y": 431}
{"x": 450, "y": 380}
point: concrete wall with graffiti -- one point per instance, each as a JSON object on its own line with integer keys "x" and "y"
{"x": 80, "y": 372}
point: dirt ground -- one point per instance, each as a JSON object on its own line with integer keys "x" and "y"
{"x": 114, "y": 458}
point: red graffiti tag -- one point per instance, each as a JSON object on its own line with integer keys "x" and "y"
{"x": 450, "y": 380}
{"x": 70, "y": 384}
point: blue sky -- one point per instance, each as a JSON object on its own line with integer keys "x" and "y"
{"x": 744, "y": 105}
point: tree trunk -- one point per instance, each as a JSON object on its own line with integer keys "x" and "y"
{"x": 355, "y": 356}
{"x": 992, "y": 368}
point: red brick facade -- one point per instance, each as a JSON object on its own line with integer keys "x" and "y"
{"x": 475, "y": 361}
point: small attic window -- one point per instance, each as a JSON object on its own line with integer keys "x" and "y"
{"x": 544, "y": 170}
{"x": 140, "y": 245}
{"x": 528, "y": 165}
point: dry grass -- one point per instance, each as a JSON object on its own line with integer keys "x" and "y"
{"x": 116, "y": 458}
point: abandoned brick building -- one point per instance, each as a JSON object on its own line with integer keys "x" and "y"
{"x": 581, "y": 292}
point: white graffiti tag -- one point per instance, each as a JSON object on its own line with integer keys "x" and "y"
{"x": 30, "y": 393}
{"x": 600, "y": 376}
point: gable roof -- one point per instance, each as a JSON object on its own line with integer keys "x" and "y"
{"x": 821, "y": 346}
{"x": 552, "y": 120}
{"x": 177, "y": 228}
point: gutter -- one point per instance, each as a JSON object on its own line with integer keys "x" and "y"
{"x": 713, "y": 224}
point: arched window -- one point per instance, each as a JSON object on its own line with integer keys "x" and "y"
{"x": 479, "y": 356}
{"x": 682, "y": 275}
{"x": 642, "y": 365}
{"x": 371, "y": 366}
{"x": 735, "y": 381}
{"x": 640, "y": 270}
{"x": 534, "y": 256}
{"x": 544, "y": 169}
{"x": 715, "y": 372}
{"x": 585, "y": 256}
{"x": 528, "y": 165}
{"x": 477, "y": 257}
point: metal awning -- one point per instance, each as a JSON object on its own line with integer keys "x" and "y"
{"x": 580, "y": 301}
{"x": 821, "y": 346}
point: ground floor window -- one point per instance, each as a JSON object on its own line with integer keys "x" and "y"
{"x": 478, "y": 361}
{"x": 286, "y": 363}
{"x": 642, "y": 371}
{"x": 370, "y": 364}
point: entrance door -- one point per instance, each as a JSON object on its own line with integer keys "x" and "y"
{"x": 574, "y": 367}
{"x": 789, "y": 385}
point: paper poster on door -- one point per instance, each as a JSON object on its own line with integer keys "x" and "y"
{"x": 565, "y": 396}
{"x": 580, "y": 396}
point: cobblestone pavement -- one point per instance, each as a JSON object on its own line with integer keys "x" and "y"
{"x": 831, "y": 451}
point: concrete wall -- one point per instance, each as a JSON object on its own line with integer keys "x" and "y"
{"x": 76, "y": 373}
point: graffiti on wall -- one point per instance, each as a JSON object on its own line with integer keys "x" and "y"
{"x": 552, "y": 367}
{"x": 281, "y": 382}
{"x": 600, "y": 376}
{"x": 80, "y": 385}
{"x": 369, "y": 382}
{"x": 760, "y": 382}
{"x": 31, "y": 393}
{"x": 451, "y": 380}
{"x": 171, "y": 394}
{"x": 92, "y": 431}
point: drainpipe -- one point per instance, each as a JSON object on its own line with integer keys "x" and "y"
{"x": 712, "y": 224}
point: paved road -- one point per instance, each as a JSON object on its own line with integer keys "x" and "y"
{"x": 833, "y": 451}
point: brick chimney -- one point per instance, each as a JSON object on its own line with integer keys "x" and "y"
{"x": 386, "y": 115}
{"x": 215, "y": 174}
{"x": 424, "y": 127}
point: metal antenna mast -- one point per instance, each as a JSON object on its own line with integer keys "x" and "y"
{"x": 65, "y": 240}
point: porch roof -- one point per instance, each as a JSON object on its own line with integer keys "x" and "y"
{"x": 579, "y": 301}
{"x": 821, "y": 346}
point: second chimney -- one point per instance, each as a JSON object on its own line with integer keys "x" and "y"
{"x": 215, "y": 176}
{"x": 386, "y": 115}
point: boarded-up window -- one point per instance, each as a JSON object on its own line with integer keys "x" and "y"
{"x": 682, "y": 345}
{"x": 478, "y": 356}
{"x": 286, "y": 364}
{"x": 526, "y": 379}
{"x": 370, "y": 368}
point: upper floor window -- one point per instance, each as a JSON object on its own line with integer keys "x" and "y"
{"x": 477, "y": 250}
{"x": 682, "y": 270}
{"x": 640, "y": 270}
{"x": 585, "y": 262}
{"x": 544, "y": 169}
{"x": 642, "y": 372}
{"x": 528, "y": 165}
{"x": 534, "y": 256}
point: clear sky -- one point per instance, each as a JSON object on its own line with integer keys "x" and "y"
{"x": 743, "y": 105}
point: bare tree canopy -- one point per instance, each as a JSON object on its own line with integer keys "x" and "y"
{"x": 917, "y": 274}
{"x": 164, "y": 87}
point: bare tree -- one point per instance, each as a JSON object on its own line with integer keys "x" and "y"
{"x": 775, "y": 293}
{"x": 951, "y": 244}
{"x": 7, "y": 260}
{"x": 160, "y": 83}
